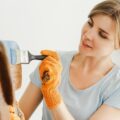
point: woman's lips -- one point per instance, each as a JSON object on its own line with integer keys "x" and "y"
{"x": 86, "y": 45}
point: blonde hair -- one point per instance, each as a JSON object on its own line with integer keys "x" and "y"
{"x": 112, "y": 9}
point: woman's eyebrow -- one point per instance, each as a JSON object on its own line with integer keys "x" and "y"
{"x": 99, "y": 28}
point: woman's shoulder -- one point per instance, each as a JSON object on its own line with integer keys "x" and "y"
{"x": 66, "y": 56}
{"x": 111, "y": 94}
{"x": 112, "y": 82}
{"x": 66, "y": 53}
{"x": 116, "y": 75}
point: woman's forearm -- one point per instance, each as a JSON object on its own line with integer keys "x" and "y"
{"x": 61, "y": 113}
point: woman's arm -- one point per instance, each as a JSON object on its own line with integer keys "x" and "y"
{"x": 30, "y": 100}
{"x": 106, "y": 112}
{"x": 50, "y": 74}
{"x": 61, "y": 113}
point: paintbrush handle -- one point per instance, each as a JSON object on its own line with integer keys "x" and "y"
{"x": 36, "y": 57}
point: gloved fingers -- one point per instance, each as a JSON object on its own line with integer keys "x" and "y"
{"x": 49, "y": 73}
{"x": 53, "y": 61}
{"x": 48, "y": 66}
{"x": 50, "y": 53}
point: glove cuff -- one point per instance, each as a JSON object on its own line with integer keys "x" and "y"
{"x": 52, "y": 97}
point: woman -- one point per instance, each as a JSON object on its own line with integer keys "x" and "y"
{"x": 10, "y": 79}
{"x": 90, "y": 81}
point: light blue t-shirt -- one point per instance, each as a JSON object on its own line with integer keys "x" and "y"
{"x": 83, "y": 103}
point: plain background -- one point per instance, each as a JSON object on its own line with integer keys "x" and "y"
{"x": 43, "y": 24}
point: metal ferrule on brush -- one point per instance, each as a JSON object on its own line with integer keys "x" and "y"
{"x": 24, "y": 56}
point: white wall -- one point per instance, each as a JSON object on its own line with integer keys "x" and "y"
{"x": 43, "y": 24}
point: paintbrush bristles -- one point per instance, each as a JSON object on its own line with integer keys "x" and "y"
{"x": 21, "y": 56}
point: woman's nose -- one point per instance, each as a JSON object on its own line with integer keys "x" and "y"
{"x": 89, "y": 35}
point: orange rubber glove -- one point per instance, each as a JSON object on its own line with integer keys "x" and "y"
{"x": 50, "y": 74}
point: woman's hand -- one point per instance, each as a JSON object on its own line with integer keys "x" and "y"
{"x": 50, "y": 73}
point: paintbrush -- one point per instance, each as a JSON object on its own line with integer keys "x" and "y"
{"x": 24, "y": 56}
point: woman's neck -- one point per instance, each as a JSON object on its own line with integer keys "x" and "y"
{"x": 92, "y": 64}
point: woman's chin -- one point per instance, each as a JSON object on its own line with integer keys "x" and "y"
{"x": 85, "y": 52}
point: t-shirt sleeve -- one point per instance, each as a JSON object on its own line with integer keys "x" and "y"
{"x": 35, "y": 77}
{"x": 114, "y": 100}
{"x": 113, "y": 94}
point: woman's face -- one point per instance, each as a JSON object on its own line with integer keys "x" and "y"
{"x": 98, "y": 36}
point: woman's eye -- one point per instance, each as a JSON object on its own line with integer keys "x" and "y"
{"x": 102, "y": 35}
{"x": 90, "y": 24}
